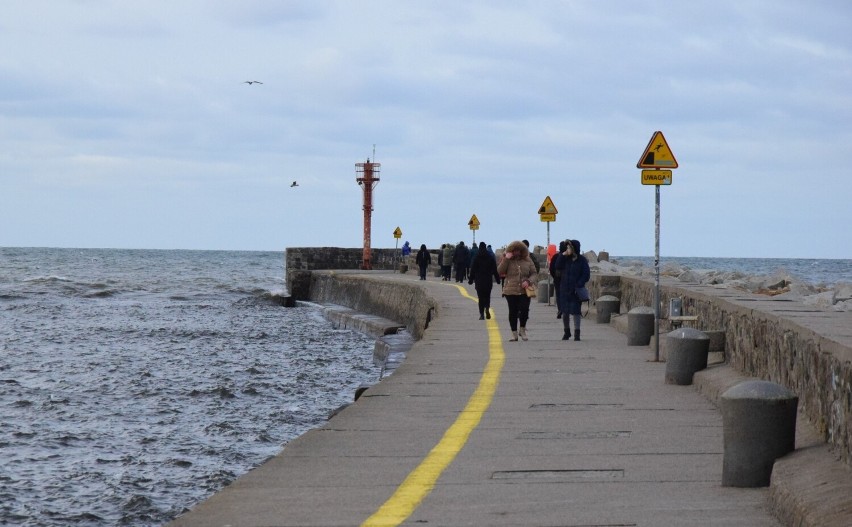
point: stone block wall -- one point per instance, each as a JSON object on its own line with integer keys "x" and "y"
{"x": 300, "y": 261}
{"x": 312, "y": 258}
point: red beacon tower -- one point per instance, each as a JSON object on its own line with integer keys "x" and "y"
{"x": 367, "y": 176}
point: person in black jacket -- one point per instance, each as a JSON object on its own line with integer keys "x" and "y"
{"x": 482, "y": 271}
{"x": 461, "y": 258}
{"x": 557, "y": 276}
{"x": 423, "y": 260}
{"x": 574, "y": 270}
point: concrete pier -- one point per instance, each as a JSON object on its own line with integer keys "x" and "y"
{"x": 474, "y": 430}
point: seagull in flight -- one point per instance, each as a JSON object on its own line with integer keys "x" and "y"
{"x": 252, "y": 82}
{"x": 294, "y": 184}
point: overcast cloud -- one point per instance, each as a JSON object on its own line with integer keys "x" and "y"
{"x": 127, "y": 124}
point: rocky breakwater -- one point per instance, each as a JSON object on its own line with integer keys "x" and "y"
{"x": 780, "y": 283}
{"x": 776, "y": 328}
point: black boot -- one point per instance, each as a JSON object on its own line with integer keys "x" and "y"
{"x": 567, "y": 334}
{"x": 576, "y": 334}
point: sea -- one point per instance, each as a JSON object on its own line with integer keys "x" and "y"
{"x": 136, "y": 383}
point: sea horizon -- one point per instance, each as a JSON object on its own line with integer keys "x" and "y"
{"x": 436, "y": 248}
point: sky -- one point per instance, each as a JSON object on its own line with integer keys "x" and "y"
{"x": 129, "y": 124}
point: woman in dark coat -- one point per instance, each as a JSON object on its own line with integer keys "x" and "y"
{"x": 574, "y": 272}
{"x": 423, "y": 260}
{"x": 483, "y": 269}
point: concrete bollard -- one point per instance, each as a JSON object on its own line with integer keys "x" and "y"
{"x": 759, "y": 426}
{"x": 606, "y": 306}
{"x": 640, "y": 326}
{"x": 686, "y": 353}
{"x": 541, "y": 293}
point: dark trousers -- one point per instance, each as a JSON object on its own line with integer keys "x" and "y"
{"x": 484, "y": 297}
{"x": 423, "y": 271}
{"x": 519, "y": 309}
{"x": 566, "y": 321}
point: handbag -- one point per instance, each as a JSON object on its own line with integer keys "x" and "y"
{"x": 530, "y": 291}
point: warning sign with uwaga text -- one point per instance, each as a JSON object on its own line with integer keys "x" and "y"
{"x": 657, "y": 154}
{"x": 656, "y": 177}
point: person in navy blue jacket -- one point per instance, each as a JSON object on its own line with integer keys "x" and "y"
{"x": 573, "y": 269}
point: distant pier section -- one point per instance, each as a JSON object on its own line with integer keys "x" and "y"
{"x": 300, "y": 261}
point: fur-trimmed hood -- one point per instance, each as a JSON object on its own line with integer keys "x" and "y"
{"x": 518, "y": 248}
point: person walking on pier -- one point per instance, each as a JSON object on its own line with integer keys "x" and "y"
{"x": 482, "y": 271}
{"x": 518, "y": 271}
{"x": 461, "y": 259}
{"x": 423, "y": 260}
{"x": 446, "y": 261}
{"x": 574, "y": 270}
{"x": 557, "y": 276}
{"x": 533, "y": 257}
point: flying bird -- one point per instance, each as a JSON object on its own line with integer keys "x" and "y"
{"x": 252, "y": 82}
{"x": 294, "y": 184}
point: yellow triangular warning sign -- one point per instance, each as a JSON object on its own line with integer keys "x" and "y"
{"x": 657, "y": 154}
{"x": 547, "y": 207}
{"x": 397, "y": 233}
{"x": 473, "y": 223}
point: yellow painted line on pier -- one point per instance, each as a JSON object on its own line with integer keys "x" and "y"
{"x": 422, "y": 479}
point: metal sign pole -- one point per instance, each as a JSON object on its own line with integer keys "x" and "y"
{"x": 657, "y": 155}
{"x": 657, "y": 274}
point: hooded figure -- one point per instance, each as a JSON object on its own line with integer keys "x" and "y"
{"x": 482, "y": 271}
{"x": 423, "y": 260}
{"x": 519, "y": 272}
{"x": 557, "y": 276}
{"x": 573, "y": 269}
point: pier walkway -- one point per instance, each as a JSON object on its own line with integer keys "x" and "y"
{"x": 475, "y": 430}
